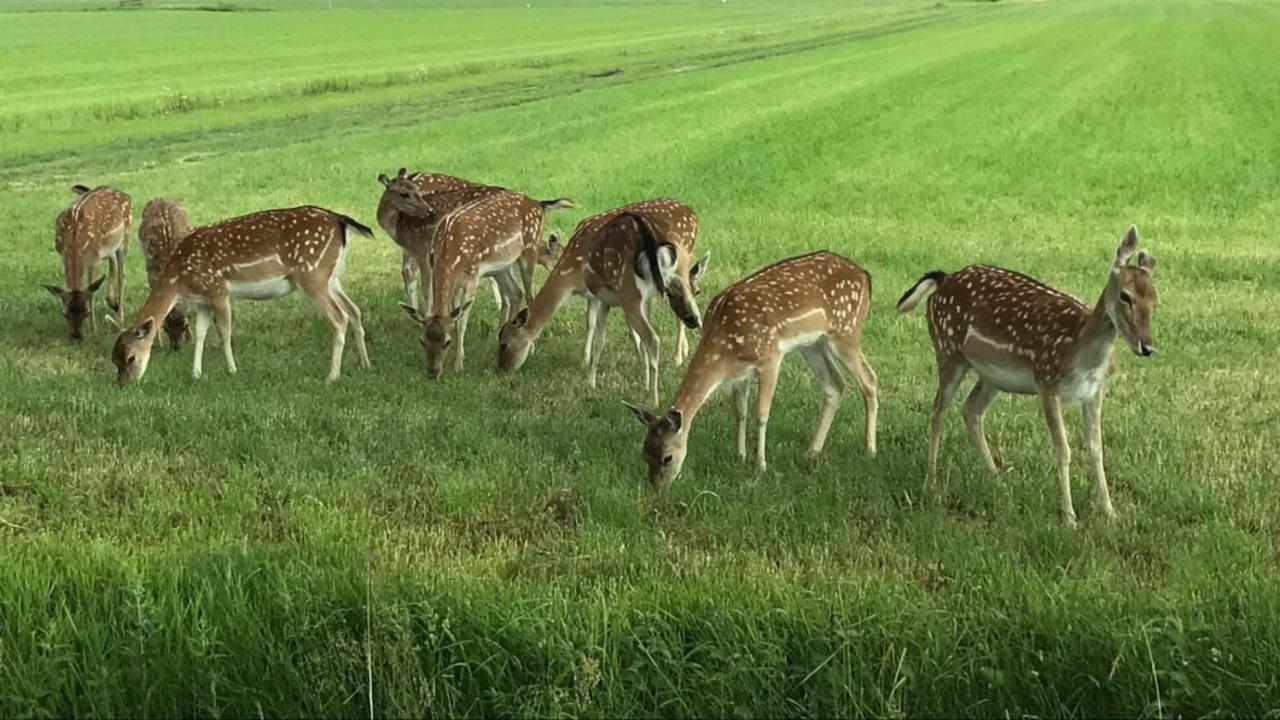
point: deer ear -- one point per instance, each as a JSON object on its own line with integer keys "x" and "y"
{"x": 458, "y": 311}
{"x": 1147, "y": 261}
{"x": 676, "y": 419}
{"x": 412, "y": 312}
{"x": 1128, "y": 246}
{"x": 56, "y": 291}
{"x": 701, "y": 266}
{"x": 553, "y": 241}
{"x": 645, "y": 417}
{"x": 79, "y": 189}
{"x": 93, "y": 287}
{"x": 521, "y": 318}
{"x": 402, "y": 172}
{"x": 144, "y": 329}
{"x": 386, "y": 181}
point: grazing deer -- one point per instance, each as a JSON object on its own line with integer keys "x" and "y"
{"x": 816, "y": 304}
{"x": 164, "y": 224}
{"x": 488, "y": 237}
{"x": 92, "y": 229}
{"x": 1022, "y": 336}
{"x": 597, "y": 238}
{"x": 262, "y": 256}
{"x": 415, "y": 205}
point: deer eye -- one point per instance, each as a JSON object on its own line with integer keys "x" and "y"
{"x": 1125, "y": 297}
{"x": 130, "y": 360}
{"x": 448, "y": 342}
{"x": 667, "y": 460}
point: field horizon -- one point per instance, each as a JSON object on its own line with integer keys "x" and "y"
{"x": 484, "y": 544}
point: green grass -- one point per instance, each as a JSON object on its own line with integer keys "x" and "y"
{"x": 483, "y": 544}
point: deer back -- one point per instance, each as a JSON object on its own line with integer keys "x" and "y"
{"x": 164, "y": 224}
{"x": 609, "y": 255}
{"x": 84, "y": 228}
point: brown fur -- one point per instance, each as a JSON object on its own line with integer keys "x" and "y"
{"x": 93, "y": 228}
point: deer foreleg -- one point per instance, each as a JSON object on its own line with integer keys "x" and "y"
{"x": 740, "y": 397}
{"x": 601, "y": 312}
{"x": 1052, "y": 408}
{"x": 1093, "y": 431}
{"x": 767, "y": 382}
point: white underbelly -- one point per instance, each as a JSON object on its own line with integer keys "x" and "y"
{"x": 491, "y": 269}
{"x": 608, "y": 297}
{"x": 1009, "y": 379}
{"x": 109, "y": 250}
{"x": 266, "y": 289}
{"x": 800, "y": 341}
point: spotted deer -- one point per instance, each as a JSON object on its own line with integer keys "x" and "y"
{"x": 1022, "y": 336}
{"x": 92, "y": 229}
{"x": 599, "y": 246}
{"x": 262, "y": 256}
{"x": 413, "y": 206}
{"x": 164, "y": 224}
{"x": 815, "y": 304}
{"x": 485, "y": 239}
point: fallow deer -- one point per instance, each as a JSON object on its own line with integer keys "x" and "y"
{"x": 1022, "y": 336}
{"x": 92, "y": 229}
{"x": 672, "y": 220}
{"x": 816, "y": 304}
{"x": 164, "y": 224}
{"x": 488, "y": 237}
{"x": 415, "y": 205}
{"x": 262, "y": 256}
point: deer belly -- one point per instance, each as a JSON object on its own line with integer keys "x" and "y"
{"x": 999, "y": 364}
{"x": 261, "y": 288}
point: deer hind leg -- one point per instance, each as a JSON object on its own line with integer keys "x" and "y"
{"x": 740, "y": 397}
{"x": 637, "y": 316}
{"x": 975, "y": 409}
{"x": 1058, "y": 434}
{"x": 832, "y": 385}
{"x": 331, "y": 309}
{"x": 951, "y": 372}
{"x": 601, "y": 312}
{"x": 357, "y": 321}
{"x": 766, "y": 383}
{"x": 508, "y": 294}
{"x": 222, "y": 316}
{"x": 204, "y": 318}
{"x": 1093, "y": 431}
{"x": 848, "y": 351}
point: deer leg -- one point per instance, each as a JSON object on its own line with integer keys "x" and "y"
{"x": 682, "y": 345}
{"x": 408, "y": 268}
{"x": 832, "y": 386}
{"x": 468, "y": 293}
{"x": 766, "y": 383}
{"x": 509, "y": 297}
{"x": 1058, "y": 433}
{"x": 637, "y": 316}
{"x": 591, "y": 334}
{"x": 204, "y": 318}
{"x": 357, "y": 321}
{"x": 423, "y": 261}
{"x": 601, "y": 311}
{"x": 740, "y": 397}
{"x": 975, "y": 409}
{"x": 1093, "y": 431}
{"x": 950, "y": 374}
{"x": 222, "y": 316}
{"x": 332, "y": 311}
{"x": 528, "y": 259}
{"x": 121, "y": 255}
{"x": 848, "y": 351}
{"x": 92, "y": 278}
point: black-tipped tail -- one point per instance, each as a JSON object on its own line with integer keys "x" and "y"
{"x": 913, "y": 296}
{"x": 557, "y": 204}
{"x": 80, "y": 189}
{"x": 355, "y": 225}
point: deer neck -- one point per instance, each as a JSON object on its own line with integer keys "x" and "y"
{"x": 554, "y": 292}
{"x": 701, "y": 379}
{"x": 1093, "y": 345}
{"x": 159, "y": 302}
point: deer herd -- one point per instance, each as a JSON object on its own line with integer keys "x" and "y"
{"x": 1015, "y": 333}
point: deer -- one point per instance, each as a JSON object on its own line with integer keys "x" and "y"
{"x": 604, "y": 241}
{"x": 1021, "y": 336}
{"x": 261, "y": 256}
{"x": 91, "y": 229}
{"x": 815, "y": 304}
{"x": 486, "y": 238}
{"x": 420, "y": 201}
{"x": 164, "y": 224}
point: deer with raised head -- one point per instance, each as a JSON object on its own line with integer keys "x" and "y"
{"x": 487, "y": 238}
{"x": 414, "y": 205}
{"x": 92, "y": 229}
{"x": 609, "y": 245}
{"x": 814, "y": 304}
{"x": 262, "y": 256}
{"x": 164, "y": 224}
{"x": 1022, "y": 336}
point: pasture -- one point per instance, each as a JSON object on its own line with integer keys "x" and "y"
{"x": 484, "y": 544}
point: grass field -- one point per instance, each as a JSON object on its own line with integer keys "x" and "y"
{"x": 268, "y": 544}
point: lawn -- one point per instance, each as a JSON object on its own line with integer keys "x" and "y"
{"x": 484, "y": 544}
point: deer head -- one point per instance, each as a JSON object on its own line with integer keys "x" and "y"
{"x": 132, "y": 351}
{"x": 77, "y": 305}
{"x": 665, "y": 442}
{"x": 405, "y": 196}
{"x": 549, "y": 254}
{"x": 1130, "y": 297}
{"x": 176, "y": 328}
{"x": 515, "y": 341}
{"x": 437, "y": 335}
